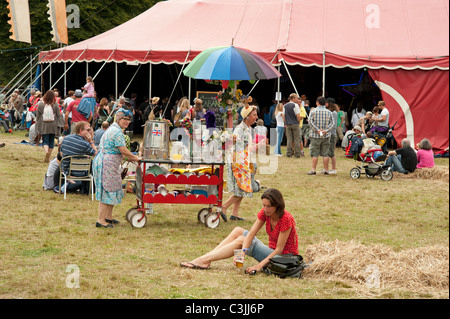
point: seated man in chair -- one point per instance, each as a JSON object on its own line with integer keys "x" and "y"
{"x": 80, "y": 143}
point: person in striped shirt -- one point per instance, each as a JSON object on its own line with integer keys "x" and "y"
{"x": 80, "y": 143}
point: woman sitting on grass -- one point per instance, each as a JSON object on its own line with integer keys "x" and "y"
{"x": 425, "y": 155}
{"x": 280, "y": 226}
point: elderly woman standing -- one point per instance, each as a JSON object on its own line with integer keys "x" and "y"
{"x": 48, "y": 122}
{"x": 240, "y": 169}
{"x": 106, "y": 168}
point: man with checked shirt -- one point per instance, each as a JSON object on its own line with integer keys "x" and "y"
{"x": 320, "y": 125}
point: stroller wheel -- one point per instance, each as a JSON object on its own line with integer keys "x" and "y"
{"x": 386, "y": 174}
{"x": 355, "y": 173}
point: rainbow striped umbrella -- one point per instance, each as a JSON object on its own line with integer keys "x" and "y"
{"x": 230, "y": 63}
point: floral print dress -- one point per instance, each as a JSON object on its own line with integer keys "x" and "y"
{"x": 106, "y": 168}
{"x": 240, "y": 169}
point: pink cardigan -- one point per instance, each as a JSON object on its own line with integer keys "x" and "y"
{"x": 425, "y": 158}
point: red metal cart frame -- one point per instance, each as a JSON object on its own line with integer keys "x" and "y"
{"x": 137, "y": 215}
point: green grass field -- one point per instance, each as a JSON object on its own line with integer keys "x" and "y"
{"x": 44, "y": 238}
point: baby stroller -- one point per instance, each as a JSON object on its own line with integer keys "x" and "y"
{"x": 372, "y": 165}
{"x": 371, "y": 157}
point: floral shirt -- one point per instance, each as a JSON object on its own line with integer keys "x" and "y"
{"x": 284, "y": 223}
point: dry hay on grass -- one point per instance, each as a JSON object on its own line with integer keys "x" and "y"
{"x": 419, "y": 269}
{"x": 440, "y": 173}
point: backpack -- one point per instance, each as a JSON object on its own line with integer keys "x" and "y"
{"x": 48, "y": 115}
{"x": 355, "y": 146}
{"x": 287, "y": 265}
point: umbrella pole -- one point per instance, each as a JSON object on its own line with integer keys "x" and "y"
{"x": 230, "y": 114}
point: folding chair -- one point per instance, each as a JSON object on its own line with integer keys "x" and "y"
{"x": 80, "y": 165}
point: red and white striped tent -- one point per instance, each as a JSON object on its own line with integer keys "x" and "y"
{"x": 403, "y": 44}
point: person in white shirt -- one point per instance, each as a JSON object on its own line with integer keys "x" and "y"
{"x": 357, "y": 114}
{"x": 70, "y": 97}
{"x": 381, "y": 123}
{"x": 279, "y": 116}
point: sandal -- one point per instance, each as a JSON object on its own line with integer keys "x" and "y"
{"x": 192, "y": 266}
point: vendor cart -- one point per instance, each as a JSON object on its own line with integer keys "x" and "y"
{"x": 203, "y": 186}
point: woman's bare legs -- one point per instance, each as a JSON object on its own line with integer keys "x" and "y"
{"x": 233, "y": 200}
{"x": 109, "y": 212}
{"x": 104, "y": 211}
{"x": 224, "y": 250}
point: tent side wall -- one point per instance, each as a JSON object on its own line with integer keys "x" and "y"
{"x": 418, "y": 101}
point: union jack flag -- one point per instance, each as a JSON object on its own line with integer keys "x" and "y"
{"x": 157, "y": 132}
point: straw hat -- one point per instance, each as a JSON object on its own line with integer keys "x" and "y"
{"x": 246, "y": 110}
{"x": 155, "y": 100}
{"x": 357, "y": 127}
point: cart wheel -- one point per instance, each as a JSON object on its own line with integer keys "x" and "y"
{"x": 355, "y": 173}
{"x": 130, "y": 212}
{"x": 212, "y": 220}
{"x": 386, "y": 175}
{"x": 202, "y": 215}
{"x": 136, "y": 221}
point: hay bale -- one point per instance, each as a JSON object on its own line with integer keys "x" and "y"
{"x": 440, "y": 173}
{"x": 378, "y": 266}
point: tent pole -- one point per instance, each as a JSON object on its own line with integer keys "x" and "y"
{"x": 189, "y": 90}
{"x": 50, "y": 75}
{"x": 31, "y": 67}
{"x": 104, "y": 63}
{"x": 65, "y": 79}
{"x": 134, "y": 75}
{"x": 323, "y": 74}
{"x": 116, "y": 85}
{"x": 64, "y": 75}
{"x": 150, "y": 81}
{"x": 289, "y": 74}
{"x": 42, "y": 73}
{"x": 17, "y": 75}
{"x": 178, "y": 79}
{"x": 278, "y": 86}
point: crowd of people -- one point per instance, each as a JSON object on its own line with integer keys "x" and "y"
{"x": 82, "y": 124}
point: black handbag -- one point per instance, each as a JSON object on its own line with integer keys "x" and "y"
{"x": 287, "y": 265}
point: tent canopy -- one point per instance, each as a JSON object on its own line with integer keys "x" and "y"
{"x": 404, "y": 44}
{"x": 352, "y": 33}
